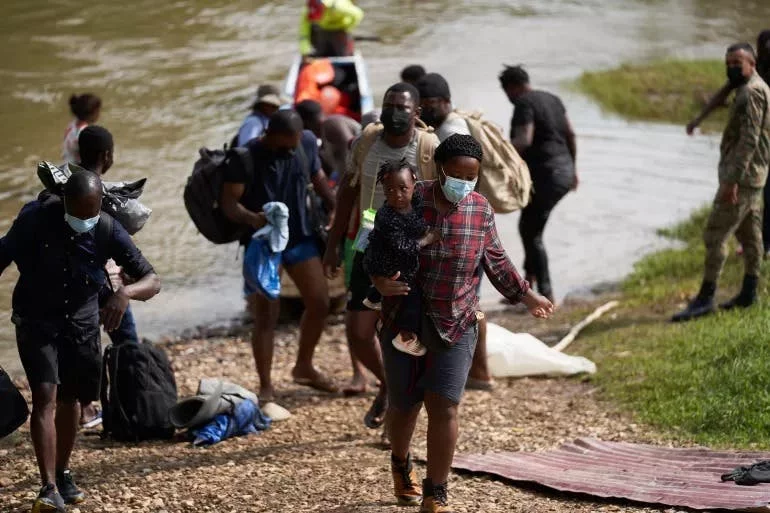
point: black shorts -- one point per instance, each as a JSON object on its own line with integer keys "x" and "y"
{"x": 70, "y": 358}
{"x": 359, "y": 285}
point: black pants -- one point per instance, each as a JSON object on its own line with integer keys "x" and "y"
{"x": 531, "y": 226}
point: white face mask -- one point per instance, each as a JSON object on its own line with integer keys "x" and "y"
{"x": 81, "y": 225}
{"x": 455, "y": 190}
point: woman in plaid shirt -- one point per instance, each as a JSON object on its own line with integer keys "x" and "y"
{"x": 448, "y": 280}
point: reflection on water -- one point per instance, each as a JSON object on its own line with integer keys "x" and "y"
{"x": 175, "y": 76}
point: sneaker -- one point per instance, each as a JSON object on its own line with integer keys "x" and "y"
{"x": 95, "y": 421}
{"x": 68, "y": 489}
{"x": 404, "y": 482}
{"x": 48, "y": 500}
{"x": 435, "y": 498}
{"x": 412, "y": 347}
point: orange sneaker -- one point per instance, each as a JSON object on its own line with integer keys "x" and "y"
{"x": 434, "y": 499}
{"x": 405, "y": 486}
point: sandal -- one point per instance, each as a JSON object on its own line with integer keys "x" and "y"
{"x": 375, "y": 417}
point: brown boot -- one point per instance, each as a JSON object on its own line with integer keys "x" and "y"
{"x": 405, "y": 486}
{"x": 434, "y": 498}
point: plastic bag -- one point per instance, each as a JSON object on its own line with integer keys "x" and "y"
{"x": 120, "y": 201}
{"x": 520, "y": 354}
{"x": 261, "y": 268}
{"x": 364, "y": 229}
{"x": 12, "y": 404}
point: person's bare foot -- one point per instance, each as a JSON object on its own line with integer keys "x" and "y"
{"x": 357, "y": 386}
{"x": 313, "y": 379}
{"x": 266, "y": 395}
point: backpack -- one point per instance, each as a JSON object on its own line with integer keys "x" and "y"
{"x": 138, "y": 390}
{"x": 426, "y": 147}
{"x": 203, "y": 191}
{"x": 504, "y": 178}
{"x": 316, "y": 210}
{"x": 12, "y": 404}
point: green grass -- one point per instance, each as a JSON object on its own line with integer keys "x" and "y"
{"x": 706, "y": 381}
{"x": 671, "y": 91}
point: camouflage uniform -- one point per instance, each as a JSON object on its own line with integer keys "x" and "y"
{"x": 745, "y": 157}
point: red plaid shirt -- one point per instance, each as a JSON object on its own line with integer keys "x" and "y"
{"x": 448, "y": 275}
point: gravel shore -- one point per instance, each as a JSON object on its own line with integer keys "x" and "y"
{"x": 323, "y": 458}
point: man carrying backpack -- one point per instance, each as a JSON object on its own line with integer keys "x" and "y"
{"x": 96, "y": 155}
{"x": 60, "y": 248}
{"x": 284, "y": 161}
{"x": 396, "y": 138}
{"x": 542, "y": 133}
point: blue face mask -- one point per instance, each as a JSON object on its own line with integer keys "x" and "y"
{"x": 455, "y": 190}
{"x": 81, "y": 225}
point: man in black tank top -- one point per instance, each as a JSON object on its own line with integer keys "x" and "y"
{"x": 542, "y": 133}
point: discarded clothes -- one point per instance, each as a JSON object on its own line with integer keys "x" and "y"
{"x": 214, "y": 397}
{"x": 246, "y": 419}
{"x": 276, "y": 231}
{"x": 261, "y": 269}
{"x": 751, "y": 475}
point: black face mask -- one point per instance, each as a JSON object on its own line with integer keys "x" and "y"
{"x": 431, "y": 117}
{"x": 735, "y": 76}
{"x": 395, "y": 122}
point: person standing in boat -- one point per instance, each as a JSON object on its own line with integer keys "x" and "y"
{"x": 326, "y": 26}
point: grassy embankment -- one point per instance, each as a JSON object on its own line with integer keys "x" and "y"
{"x": 706, "y": 380}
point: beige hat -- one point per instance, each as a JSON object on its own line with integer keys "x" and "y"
{"x": 271, "y": 96}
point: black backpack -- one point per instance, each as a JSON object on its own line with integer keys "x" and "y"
{"x": 138, "y": 390}
{"x": 12, "y": 404}
{"x": 203, "y": 189}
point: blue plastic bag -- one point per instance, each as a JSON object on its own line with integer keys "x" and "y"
{"x": 261, "y": 268}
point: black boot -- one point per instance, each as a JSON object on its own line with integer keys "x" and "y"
{"x": 746, "y": 297}
{"x": 703, "y": 304}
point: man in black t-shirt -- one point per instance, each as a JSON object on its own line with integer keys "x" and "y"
{"x": 285, "y": 161}
{"x": 542, "y": 133}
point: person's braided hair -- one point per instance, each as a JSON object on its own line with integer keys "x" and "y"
{"x": 458, "y": 145}
{"x": 394, "y": 166}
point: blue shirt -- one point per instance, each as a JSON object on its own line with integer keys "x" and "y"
{"x": 278, "y": 178}
{"x": 253, "y": 126}
{"x": 61, "y": 271}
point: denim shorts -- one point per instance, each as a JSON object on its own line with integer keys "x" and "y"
{"x": 441, "y": 371}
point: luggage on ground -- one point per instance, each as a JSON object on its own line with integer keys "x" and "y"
{"x": 138, "y": 391}
{"x": 203, "y": 191}
{"x": 12, "y": 404}
{"x": 504, "y": 178}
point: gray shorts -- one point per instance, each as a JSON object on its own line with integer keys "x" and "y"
{"x": 442, "y": 371}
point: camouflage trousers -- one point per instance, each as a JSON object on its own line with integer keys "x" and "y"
{"x": 745, "y": 221}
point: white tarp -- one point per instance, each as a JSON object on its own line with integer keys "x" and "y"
{"x": 520, "y": 354}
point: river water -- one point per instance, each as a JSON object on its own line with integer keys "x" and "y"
{"x": 175, "y": 76}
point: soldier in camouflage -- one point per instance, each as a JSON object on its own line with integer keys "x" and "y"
{"x": 743, "y": 167}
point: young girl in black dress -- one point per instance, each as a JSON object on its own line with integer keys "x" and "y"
{"x": 394, "y": 248}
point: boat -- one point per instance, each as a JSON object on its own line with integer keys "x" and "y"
{"x": 349, "y": 76}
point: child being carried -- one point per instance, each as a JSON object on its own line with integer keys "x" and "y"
{"x": 394, "y": 247}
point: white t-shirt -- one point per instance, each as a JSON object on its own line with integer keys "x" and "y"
{"x": 453, "y": 124}
{"x": 71, "y": 148}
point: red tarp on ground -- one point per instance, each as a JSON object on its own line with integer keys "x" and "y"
{"x": 657, "y": 475}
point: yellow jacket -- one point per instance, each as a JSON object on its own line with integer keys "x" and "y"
{"x": 337, "y": 15}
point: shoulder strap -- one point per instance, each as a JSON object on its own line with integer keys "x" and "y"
{"x": 304, "y": 160}
{"x": 103, "y": 234}
{"x": 244, "y": 154}
{"x": 426, "y": 148}
{"x": 362, "y": 147}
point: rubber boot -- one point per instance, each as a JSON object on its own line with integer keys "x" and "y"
{"x": 703, "y": 304}
{"x": 746, "y": 297}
